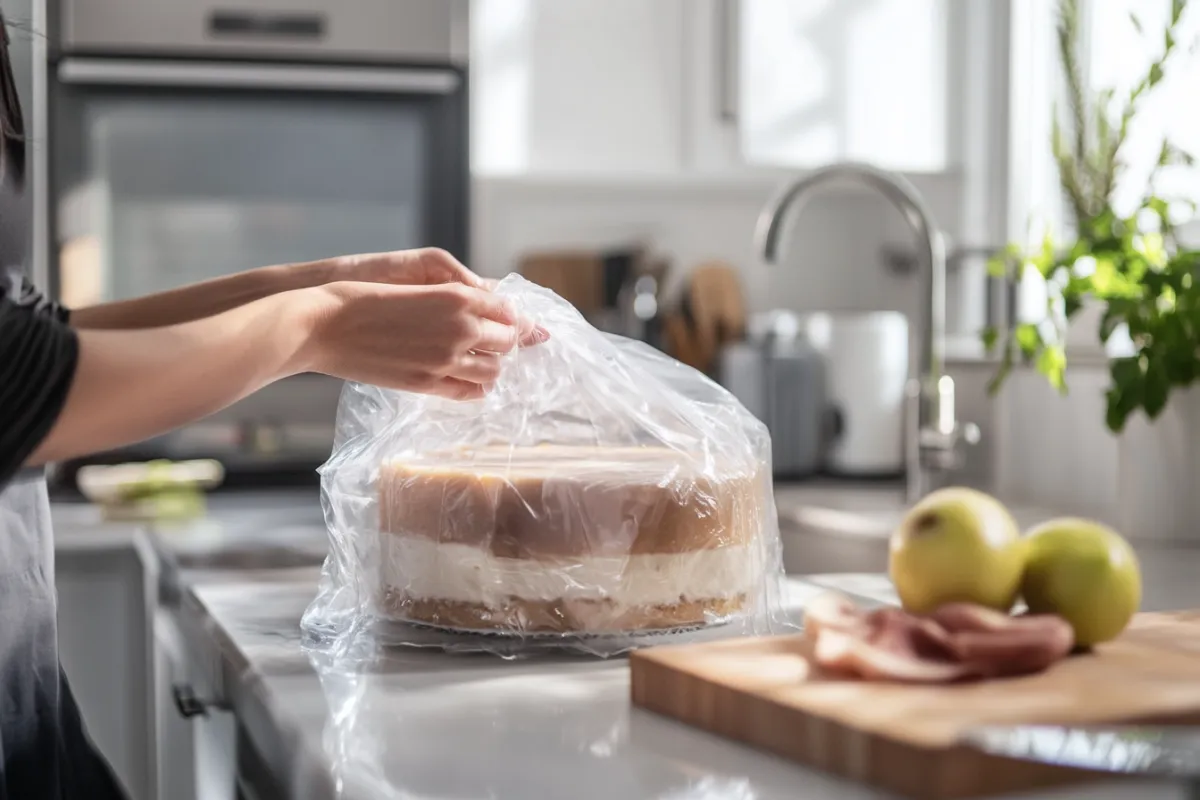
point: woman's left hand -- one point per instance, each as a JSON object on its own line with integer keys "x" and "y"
{"x": 426, "y": 266}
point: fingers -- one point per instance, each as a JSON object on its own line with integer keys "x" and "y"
{"x": 491, "y": 306}
{"x": 441, "y": 266}
{"x": 532, "y": 334}
{"x": 455, "y": 389}
{"x": 477, "y": 368}
{"x": 495, "y": 337}
{"x": 494, "y": 309}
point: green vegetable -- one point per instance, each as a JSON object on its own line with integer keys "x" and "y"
{"x": 1132, "y": 266}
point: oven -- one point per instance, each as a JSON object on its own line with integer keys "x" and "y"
{"x": 187, "y": 139}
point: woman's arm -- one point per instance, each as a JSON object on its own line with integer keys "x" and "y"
{"x": 423, "y": 266}
{"x": 201, "y": 300}
{"x": 131, "y": 385}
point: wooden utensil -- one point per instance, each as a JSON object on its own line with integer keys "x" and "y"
{"x": 681, "y": 342}
{"x": 906, "y": 739}
{"x": 715, "y": 308}
{"x": 577, "y": 277}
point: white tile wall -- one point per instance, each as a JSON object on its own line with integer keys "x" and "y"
{"x": 834, "y": 261}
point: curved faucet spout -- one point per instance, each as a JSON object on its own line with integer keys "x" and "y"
{"x": 770, "y": 229}
{"x": 932, "y": 432}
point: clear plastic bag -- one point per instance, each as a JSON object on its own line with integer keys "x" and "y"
{"x": 602, "y": 496}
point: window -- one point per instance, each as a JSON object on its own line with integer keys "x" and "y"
{"x": 1115, "y": 55}
{"x": 828, "y": 80}
{"x": 1118, "y": 55}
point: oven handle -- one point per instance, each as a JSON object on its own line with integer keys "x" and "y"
{"x": 176, "y": 74}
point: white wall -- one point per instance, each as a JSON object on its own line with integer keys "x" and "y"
{"x": 834, "y": 260}
{"x": 597, "y": 123}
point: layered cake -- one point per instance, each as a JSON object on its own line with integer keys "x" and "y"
{"x": 557, "y": 539}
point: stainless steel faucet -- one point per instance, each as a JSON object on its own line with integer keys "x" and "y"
{"x": 933, "y": 437}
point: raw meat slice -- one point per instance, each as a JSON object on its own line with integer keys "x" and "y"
{"x": 956, "y": 642}
{"x": 999, "y": 644}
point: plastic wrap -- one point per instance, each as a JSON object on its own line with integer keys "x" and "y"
{"x": 600, "y": 497}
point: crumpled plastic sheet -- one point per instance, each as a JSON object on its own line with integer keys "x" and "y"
{"x": 601, "y": 497}
{"x": 402, "y": 726}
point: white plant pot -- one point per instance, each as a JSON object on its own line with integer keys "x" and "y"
{"x": 1158, "y": 472}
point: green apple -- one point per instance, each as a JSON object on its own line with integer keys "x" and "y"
{"x": 1086, "y": 573}
{"x": 957, "y": 545}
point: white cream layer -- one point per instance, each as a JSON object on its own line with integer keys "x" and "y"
{"x": 425, "y": 568}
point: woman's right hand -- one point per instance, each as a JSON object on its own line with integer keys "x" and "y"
{"x": 444, "y": 339}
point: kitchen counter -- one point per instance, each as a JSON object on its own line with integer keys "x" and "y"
{"x": 862, "y": 510}
{"x": 422, "y": 725}
{"x": 843, "y": 527}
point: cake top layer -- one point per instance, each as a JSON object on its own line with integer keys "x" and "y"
{"x": 630, "y": 464}
{"x": 565, "y": 501}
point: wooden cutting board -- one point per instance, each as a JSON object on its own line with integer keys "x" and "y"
{"x": 764, "y": 692}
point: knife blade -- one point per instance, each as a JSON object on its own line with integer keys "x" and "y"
{"x": 1150, "y": 751}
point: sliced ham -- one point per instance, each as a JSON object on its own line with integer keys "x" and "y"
{"x": 956, "y": 642}
{"x": 1000, "y": 644}
{"x": 889, "y": 645}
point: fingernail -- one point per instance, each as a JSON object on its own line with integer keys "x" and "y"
{"x": 540, "y": 333}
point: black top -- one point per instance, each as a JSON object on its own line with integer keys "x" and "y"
{"x": 38, "y": 355}
{"x": 38, "y": 349}
{"x": 45, "y": 752}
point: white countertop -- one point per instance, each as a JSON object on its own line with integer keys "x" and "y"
{"x": 863, "y": 510}
{"x": 424, "y": 725}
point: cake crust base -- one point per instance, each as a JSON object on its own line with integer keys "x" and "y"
{"x": 560, "y": 616}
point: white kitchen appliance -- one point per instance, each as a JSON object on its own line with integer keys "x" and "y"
{"x": 866, "y": 356}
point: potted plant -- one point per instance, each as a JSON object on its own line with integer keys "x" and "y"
{"x": 1129, "y": 265}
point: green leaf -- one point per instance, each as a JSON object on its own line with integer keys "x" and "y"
{"x": 1177, "y": 7}
{"x": 1116, "y": 412}
{"x": 1156, "y": 73}
{"x": 1006, "y": 364}
{"x": 998, "y": 266}
{"x": 1125, "y": 393}
{"x": 1028, "y": 338}
{"x": 1053, "y": 364}
{"x": 989, "y": 336}
{"x": 1155, "y": 392}
{"x": 1125, "y": 371}
{"x": 1137, "y": 23}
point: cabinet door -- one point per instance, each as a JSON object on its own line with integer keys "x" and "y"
{"x": 586, "y": 87}
{"x": 801, "y": 83}
{"x": 104, "y": 650}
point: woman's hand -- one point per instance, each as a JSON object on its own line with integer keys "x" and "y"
{"x": 426, "y": 266}
{"x": 444, "y": 339}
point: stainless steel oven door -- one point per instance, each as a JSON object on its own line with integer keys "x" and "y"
{"x": 167, "y": 172}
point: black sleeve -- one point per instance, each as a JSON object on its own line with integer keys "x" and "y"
{"x": 30, "y": 297}
{"x": 38, "y": 356}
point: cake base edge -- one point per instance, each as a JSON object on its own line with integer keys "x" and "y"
{"x": 519, "y": 617}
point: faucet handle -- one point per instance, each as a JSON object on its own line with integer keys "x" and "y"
{"x": 941, "y": 442}
{"x": 943, "y": 450}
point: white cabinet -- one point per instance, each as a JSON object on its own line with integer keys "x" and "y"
{"x": 645, "y": 88}
{"x": 104, "y": 649}
{"x": 587, "y": 87}
{"x": 822, "y": 81}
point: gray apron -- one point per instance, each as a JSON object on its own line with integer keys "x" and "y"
{"x": 46, "y": 753}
